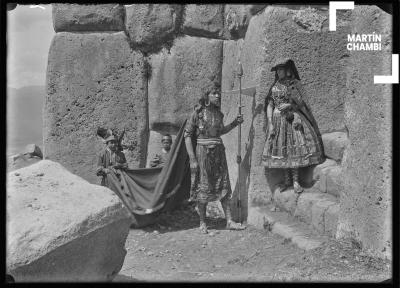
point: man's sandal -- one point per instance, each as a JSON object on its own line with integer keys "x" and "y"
{"x": 203, "y": 228}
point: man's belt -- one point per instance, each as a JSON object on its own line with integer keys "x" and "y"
{"x": 209, "y": 141}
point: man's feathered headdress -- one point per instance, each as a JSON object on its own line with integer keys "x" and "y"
{"x": 105, "y": 133}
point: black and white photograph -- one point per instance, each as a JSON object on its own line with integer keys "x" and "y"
{"x": 201, "y": 142}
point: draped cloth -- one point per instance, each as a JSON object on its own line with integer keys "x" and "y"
{"x": 147, "y": 192}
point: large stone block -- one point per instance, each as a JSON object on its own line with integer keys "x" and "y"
{"x": 331, "y": 180}
{"x": 366, "y": 200}
{"x": 250, "y": 52}
{"x": 318, "y": 211}
{"x": 334, "y": 181}
{"x": 307, "y": 201}
{"x": 74, "y": 17}
{"x": 286, "y": 200}
{"x": 18, "y": 161}
{"x": 179, "y": 78}
{"x": 150, "y": 26}
{"x": 204, "y": 20}
{"x": 237, "y": 19}
{"x": 62, "y": 228}
{"x": 254, "y": 9}
{"x": 33, "y": 150}
{"x": 93, "y": 80}
{"x": 334, "y": 144}
{"x": 319, "y": 168}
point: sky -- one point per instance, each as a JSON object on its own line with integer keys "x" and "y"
{"x": 29, "y": 34}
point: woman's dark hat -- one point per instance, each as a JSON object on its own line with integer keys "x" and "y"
{"x": 280, "y": 62}
{"x": 287, "y": 63}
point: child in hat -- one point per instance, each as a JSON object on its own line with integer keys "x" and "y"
{"x": 111, "y": 158}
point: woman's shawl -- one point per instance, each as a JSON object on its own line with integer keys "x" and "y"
{"x": 297, "y": 95}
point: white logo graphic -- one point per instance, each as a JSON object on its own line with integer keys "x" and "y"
{"x": 337, "y": 5}
{"x": 394, "y": 78}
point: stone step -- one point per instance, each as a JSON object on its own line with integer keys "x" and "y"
{"x": 283, "y": 224}
{"x": 327, "y": 177}
{"x": 334, "y": 144}
{"x": 319, "y": 210}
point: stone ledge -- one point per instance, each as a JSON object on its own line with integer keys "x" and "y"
{"x": 282, "y": 224}
{"x": 309, "y": 207}
{"x": 319, "y": 168}
{"x": 334, "y": 144}
{"x": 330, "y": 180}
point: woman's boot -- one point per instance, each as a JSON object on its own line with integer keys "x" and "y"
{"x": 286, "y": 183}
{"x": 296, "y": 184}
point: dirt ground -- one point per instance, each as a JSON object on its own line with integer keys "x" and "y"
{"x": 175, "y": 250}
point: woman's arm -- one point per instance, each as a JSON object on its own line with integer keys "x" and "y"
{"x": 270, "y": 108}
{"x": 189, "y": 148}
{"x": 100, "y": 168}
{"x": 297, "y": 93}
{"x": 194, "y": 165}
{"x": 190, "y": 129}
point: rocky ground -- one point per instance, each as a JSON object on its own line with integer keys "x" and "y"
{"x": 174, "y": 250}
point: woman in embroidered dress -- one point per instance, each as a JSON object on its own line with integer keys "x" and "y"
{"x": 293, "y": 137}
{"x": 210, "y": 178}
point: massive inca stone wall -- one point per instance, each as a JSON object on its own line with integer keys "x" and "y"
{"x": 114, "y": 65}
{"x": 94, "y": 79}
{"x": 147, "y": 78}
{"x": 180, "y": 77}
{"x": 366, "y": 201}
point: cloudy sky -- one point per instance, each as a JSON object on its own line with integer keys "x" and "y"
{"x": 29, "y": 33}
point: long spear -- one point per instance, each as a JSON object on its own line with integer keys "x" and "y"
{"x": 239, "y": 157}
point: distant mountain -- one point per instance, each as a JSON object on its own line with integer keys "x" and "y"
{"x": 24, "y": 117}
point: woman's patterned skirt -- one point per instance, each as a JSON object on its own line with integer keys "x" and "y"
{"x": 294, "y": 142}
{"x": 211, "y": 181}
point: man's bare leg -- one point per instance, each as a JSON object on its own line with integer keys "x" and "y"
{"x": 202, "y": 214}
{"x": 231, "y": 225}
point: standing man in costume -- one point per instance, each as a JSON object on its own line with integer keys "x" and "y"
{"x": 111, "y": 158}
{"x": 210, "y": 178}
{"x": 293, "y": 137}
{"x": 160, "y": 159}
